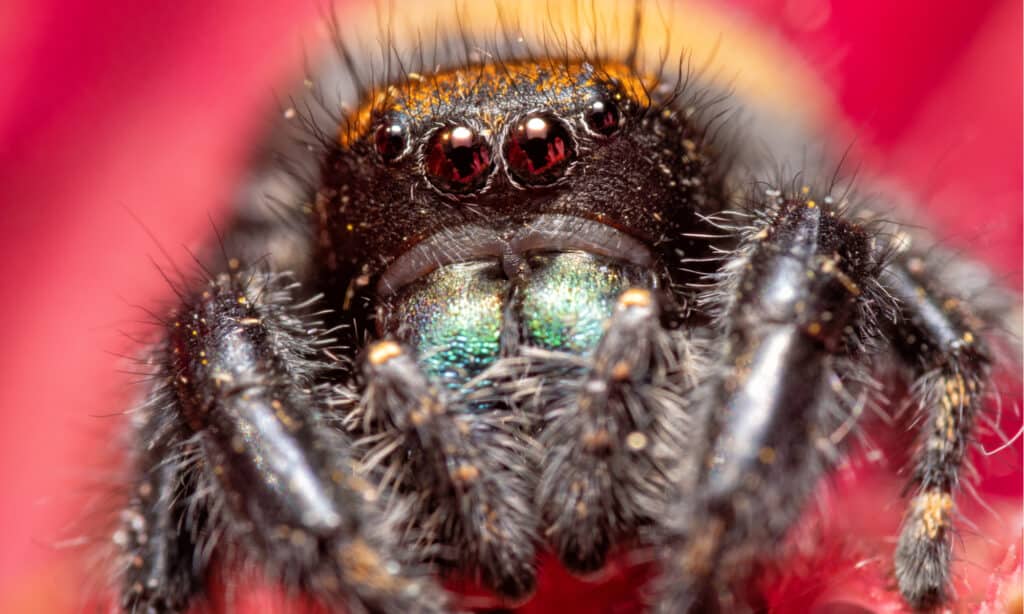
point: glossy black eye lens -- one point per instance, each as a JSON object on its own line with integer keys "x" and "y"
{"x": 391, "y": 141}
{"x": 603, "y": 117}
{"x": 539, "y": 149}
{"x": 458, "y": 160}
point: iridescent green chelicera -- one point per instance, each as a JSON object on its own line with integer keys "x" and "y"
{"x": 454, "y": 317}
{"x": 567, "y": 299}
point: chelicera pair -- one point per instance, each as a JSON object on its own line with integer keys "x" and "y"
{"x": 538, "y": 148}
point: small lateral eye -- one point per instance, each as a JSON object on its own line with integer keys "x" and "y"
{"x": 391, "y": 140}
{"x": 603, "y": 117}
{"x": 539, "y": 149}
{"x": 458, "y": 160}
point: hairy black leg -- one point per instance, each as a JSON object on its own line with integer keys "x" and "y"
{"x": 467, "y": 469}
{"x": 936, "y": 336}
{"x": 613, "y": 431}
{"x": 276, "y": 477}
{"x": 795, "y": 305}
{"x": 162, "y": 569}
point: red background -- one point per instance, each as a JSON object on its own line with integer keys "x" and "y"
{"x": 113, "y": 106}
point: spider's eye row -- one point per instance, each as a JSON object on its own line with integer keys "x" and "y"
{"x": 539, "y": 149}
{"x": 391, "y": 141}
{"x": 603, "y": 117}
{"x": 458, "y": 159}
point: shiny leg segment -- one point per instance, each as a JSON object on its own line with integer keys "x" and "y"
{"x": 793, "y": 307}
{"x": 269, "y": 479}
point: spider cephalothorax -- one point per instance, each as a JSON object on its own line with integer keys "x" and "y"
{"x": 506, "y": 214}
{"x": 495, "y": 161}
{"x": 556, "y": 311}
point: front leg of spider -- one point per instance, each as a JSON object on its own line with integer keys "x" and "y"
{"x": 470, "y": 474}
{"x": 939, "y": 340}
{"x": 251, "y": 470}
{"x": 158, "y": 536}
{"x": 613, "y": 435}
{"x": 795, "y": 305}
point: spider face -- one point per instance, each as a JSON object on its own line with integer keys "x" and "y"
{"x": 505, "y": 204}
{"x": 495, "y": 145}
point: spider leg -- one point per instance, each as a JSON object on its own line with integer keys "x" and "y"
{"x": 469, "y": 466}
{"x": 941, "y": 343}
{"x": 161, "y": 571}
{"x": 240, "y": 370}
{"x": 613, "y": 434}
{"x": 795, "y": 304}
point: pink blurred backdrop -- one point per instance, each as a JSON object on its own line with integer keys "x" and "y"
{"x": 113, "y": 106}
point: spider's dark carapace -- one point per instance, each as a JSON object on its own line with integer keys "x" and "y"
{"x": 521, "y": 295}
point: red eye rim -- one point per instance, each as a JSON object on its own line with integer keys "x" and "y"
{"x": 461, "y": 170}
{"x": 526, "y": 168}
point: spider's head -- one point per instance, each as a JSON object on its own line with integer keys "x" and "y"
{"x": 549, "y": 186}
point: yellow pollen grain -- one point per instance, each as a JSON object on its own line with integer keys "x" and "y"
{"x": 635, "y": 297}
{"x": 636, "y": 441}
{"x": 934, "y": 507}
{"x": 466, "y": 473}
{"x": 811, "y": 204}
{"x": 297, "y": 537}
{"x": 850, "y": 285}
{"x": 597, "y": 441}
{"x": 620, "y": 372}
{"x": 365, "y": 567}
{"x": 384, "y": 351}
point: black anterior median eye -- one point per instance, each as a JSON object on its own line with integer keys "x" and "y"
{"x": 458, "y": 160}
{"x": 603, "y": 117}
{"x": 391, "y": 140}
{"x": 539, "y": 150}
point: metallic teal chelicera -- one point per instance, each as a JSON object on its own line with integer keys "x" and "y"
{"x": 454, "y": 317}
{"x": 567, "y": 300}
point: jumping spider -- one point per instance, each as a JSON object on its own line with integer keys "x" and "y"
{"x": 526, "y": 298}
